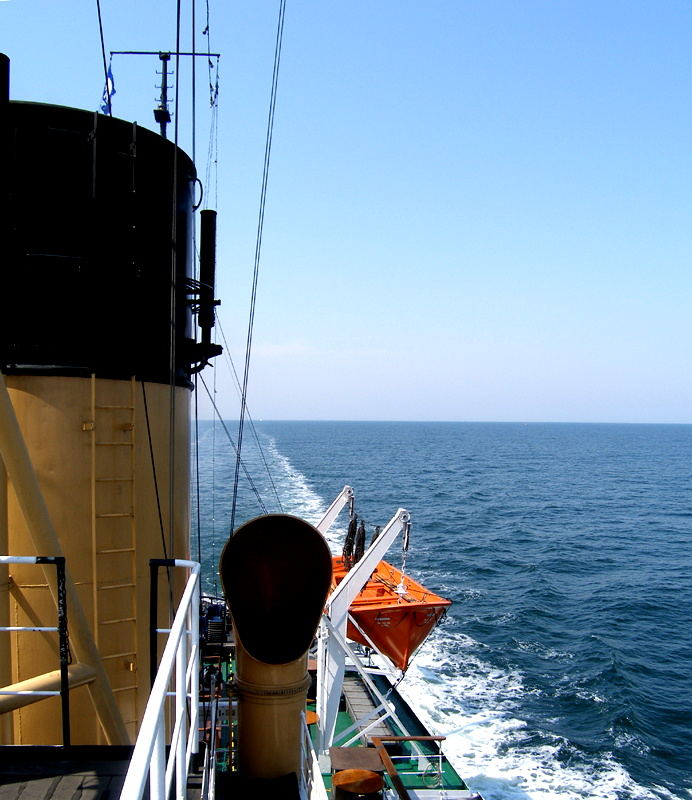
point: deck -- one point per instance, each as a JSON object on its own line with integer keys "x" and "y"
{"x": 74, "y": 773}
{"x": 40, "y": 773}
{"x": 411, "y": 759}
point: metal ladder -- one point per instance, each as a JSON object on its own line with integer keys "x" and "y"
{"x": 114, "y": 569}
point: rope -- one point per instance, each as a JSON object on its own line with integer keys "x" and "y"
{"x": 153, "y": 471}
{"x": 258, "y": 248}
{"x": 158, "y": 496}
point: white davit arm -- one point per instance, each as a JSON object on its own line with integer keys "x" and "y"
{"x": 345, "y": 496}
{"x": 331, "y": 658}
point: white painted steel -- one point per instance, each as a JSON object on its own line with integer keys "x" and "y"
{"x": 17, "y": 559}
{"x": 209, "y": 772}
{"x": 331, "y": 660}
{"x": 148, "y": 757}
{"x": 311, "y": 785}
{"x": 364, "y": 674}
{"x": 39, "y": 630}
{"x": 345, "y": 496}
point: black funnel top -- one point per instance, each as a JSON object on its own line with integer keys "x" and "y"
{"x": 97, "y": 247}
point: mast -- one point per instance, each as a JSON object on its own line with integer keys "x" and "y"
{"x": 161, "y": 113}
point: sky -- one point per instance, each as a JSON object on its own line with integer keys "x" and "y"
{"x": 477, "y": 209}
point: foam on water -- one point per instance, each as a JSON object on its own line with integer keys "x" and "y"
{"x": 478, "y": 708}
{"x": 299, "y": 497}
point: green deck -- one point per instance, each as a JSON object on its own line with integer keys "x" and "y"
{"x": 419, "y": 764}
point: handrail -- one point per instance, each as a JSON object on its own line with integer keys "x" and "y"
{"x": 59, "y": 563}
{"x": 310, "y": 785}
{"x": 148, "y": 757}
{"x": 434, "y": 759}
{"x": 209, "y": 770}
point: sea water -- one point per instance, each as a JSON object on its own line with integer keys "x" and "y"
{"x": 564, "y": 667}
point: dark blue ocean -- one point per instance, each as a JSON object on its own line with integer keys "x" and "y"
{"x": 564, "y": 669}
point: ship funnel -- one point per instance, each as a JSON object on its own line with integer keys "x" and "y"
{"x": 276, "y": 573}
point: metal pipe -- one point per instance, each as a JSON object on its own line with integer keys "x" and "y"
{"x": 64, "y": 651}
{"x": 181, "y": 715}
{"x": 207, "y": 273}
{"x": 153, "y": 618}
{"x": 18, "y": 695}
{"x": 15, "y": 455}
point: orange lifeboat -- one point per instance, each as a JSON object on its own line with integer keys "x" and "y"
{"x": 395, "y": 612}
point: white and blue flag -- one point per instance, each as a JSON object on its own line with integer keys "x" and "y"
{"x": 108, "y": 92}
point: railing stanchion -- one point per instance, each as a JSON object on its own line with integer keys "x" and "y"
{"x": 180, "y": 715}
{"x": 157, "y": 770}
{"x": 153, "y": 619}
{"x": 149, "y": 753}
{"x": 194, "y": 642}
{"x": 64, "y": 650}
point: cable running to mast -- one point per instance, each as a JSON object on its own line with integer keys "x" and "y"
{"x": 258, "y": 248}
{"x": 234, "y": 446}
{"x": 260, "y": 449}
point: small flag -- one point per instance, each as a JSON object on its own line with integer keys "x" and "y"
{"x": 108, "y": 92}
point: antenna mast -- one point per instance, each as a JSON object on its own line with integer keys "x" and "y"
{"x": 161, "y": 113}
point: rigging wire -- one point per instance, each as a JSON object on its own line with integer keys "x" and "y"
{"x": 258, "y": 248}
{"x": 213, "y": 150}
{"x": 235, "y": 448}
{"x": 194, "y": 250}
{"x": 173, "y": 292}
{"x": 103, "y": 55}
{"x": 213, "y": 490}
{"x": 153, "y": 471}
{"x": 197, "y": 487}
{"x": 208, "y": 168}
{"x": 227, "y": 353}
{"x": 157, "y": 493}
{"x": 194, "y": 91}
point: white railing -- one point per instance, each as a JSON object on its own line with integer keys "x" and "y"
{"x": 428, "y": 767}
{"x": 182, "y": 655}
{"x": 311, "y": 785}
{"x": 63, "y": 647}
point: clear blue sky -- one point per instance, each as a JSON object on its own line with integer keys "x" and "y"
{"x": 477, "y": 210}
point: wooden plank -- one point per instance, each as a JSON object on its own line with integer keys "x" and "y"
{"x": 31, "y": 790}
{"x": 355, "y": 758}
{"x": 391, "y": 770}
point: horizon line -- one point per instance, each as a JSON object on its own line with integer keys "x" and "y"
{"x": 451, "y": 421}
